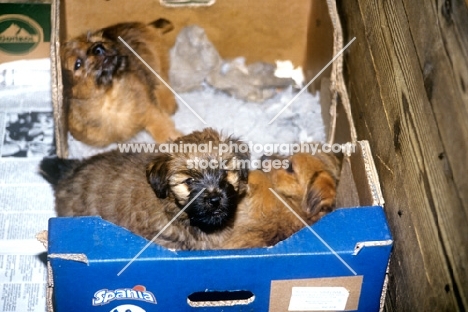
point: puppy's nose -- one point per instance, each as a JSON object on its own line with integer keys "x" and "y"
{"x": 215, "y": 200}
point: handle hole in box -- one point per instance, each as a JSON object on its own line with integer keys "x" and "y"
{"x": 220, "y": 298}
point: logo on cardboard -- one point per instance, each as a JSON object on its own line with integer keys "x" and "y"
{"x": 139, "y": 292}
{"x": 19, "y": 34}
{"x": 127, "y": 308}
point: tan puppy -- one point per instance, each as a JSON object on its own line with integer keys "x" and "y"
{"x": 307, "y": 185}
{"x": 110, "y": 94}
{"x": 144, "y": 192}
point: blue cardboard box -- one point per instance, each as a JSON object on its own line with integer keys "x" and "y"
{"x": 337, "y": 264}
{"x": 87, "y": 254}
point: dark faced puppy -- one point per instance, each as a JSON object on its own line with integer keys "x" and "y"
{"x": 200, "y": 167}
{"x": 308, "y": 186}
{"x": 110, "y": 93}
{"x": 144, "y": 192}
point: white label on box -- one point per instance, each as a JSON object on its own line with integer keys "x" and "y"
{"x": 318, "y": 299}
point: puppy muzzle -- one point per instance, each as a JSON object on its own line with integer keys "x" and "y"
{"x": 213, "y": 200}
{"x": 109, "y": 67}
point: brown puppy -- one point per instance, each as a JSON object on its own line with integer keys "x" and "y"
{"x": 110, "y": 94}
{"x": 307, "y": 184}
{"x": 144, "y": 192}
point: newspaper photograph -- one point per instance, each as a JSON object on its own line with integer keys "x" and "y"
{"x": 28, "y": 134}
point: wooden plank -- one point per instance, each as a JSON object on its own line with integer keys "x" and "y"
{"x": 371, "y": 121}
{"x": 441, "y": 222}
{"x": 393, "y": 111}
{"x": 439, "y": 47}
{"x": 442, "y": 49}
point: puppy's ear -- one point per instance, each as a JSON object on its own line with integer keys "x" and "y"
{"x": 163, "y": 25}
{"x": 332, "y": 162}
{"x": 157, "y": 174}
{"x": 243, "y": 171}
{"x": 320, "y": 195}
{"x": 54, "y": 169}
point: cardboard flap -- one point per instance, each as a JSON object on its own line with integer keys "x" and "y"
{"x": 361, "y": 245}
{"x": 363, "y": 168}
{"x": 71, "y": 257}
{"x": 347, "y": 194}
{"x": 338, "y": 89}
{"x": 60, "y": 127}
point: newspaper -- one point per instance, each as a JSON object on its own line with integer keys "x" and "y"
{"x": 26, "y": 199}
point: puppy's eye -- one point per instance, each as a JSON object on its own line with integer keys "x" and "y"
{"x": 78, "y": 64}
{"x": 290, "y": 168}
{"x": 189, "y": 181}
{"x": 98, "y": 50}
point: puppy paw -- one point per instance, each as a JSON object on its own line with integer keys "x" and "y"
{"x": 166, "y": 99}
{"x": 162, "y": 128}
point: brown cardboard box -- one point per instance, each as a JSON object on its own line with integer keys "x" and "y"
{"x": 24, "y": 30}
{"x": 299, "y": 31}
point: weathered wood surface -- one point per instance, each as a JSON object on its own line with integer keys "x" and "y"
{"x": 407, "y": 77}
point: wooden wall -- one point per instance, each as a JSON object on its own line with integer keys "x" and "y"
{"x": 407, "y": 77}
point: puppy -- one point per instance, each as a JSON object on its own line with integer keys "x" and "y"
{"x": 110, "y": 94}
{"x": 307, "y": 184}
{"x": 144, "y": 192}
